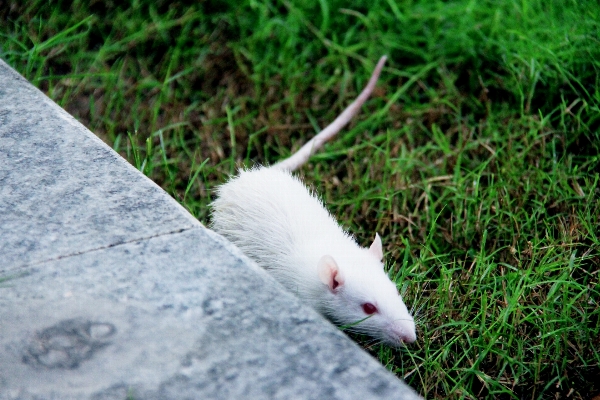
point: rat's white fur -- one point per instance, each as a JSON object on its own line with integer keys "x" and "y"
{"x": 276, "y": 221}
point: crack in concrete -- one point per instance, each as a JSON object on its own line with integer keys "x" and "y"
{"x": 141, "y": 239}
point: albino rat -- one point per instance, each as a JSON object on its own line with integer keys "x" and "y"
{"x": 276, "y": 221}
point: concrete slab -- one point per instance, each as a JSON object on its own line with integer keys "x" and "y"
{"x": 110, "y": 290}
{"x": 62, "y": 190}
{"x": 178, "y": 316}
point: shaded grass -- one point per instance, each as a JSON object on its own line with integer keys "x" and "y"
{"x": 477, "y": 158}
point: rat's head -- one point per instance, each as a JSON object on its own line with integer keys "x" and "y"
{"x": 363, "y": 292}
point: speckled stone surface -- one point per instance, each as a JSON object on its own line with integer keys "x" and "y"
{"x": 63, "y": 191}
{"x": 174, "y": 319}
{"x": 110, "y": 290}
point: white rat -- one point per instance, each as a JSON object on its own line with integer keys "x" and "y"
{"x": 276, "y": 221}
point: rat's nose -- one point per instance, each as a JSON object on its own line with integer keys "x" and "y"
{"x": 406, "y": 332}
{"x": 408, "y": 337}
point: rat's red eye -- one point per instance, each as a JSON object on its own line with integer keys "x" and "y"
{"x": 369, "y": 308}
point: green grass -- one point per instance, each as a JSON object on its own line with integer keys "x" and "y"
{"x": 477, "y": 159}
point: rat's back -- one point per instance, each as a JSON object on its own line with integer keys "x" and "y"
{"x": 271, "y": 216}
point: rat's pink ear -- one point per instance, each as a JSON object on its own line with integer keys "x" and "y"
{"x": 376, "y": 248}
{"x": 329, "y": 273}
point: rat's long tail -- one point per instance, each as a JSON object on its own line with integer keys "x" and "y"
{"x": 297, "y": 159}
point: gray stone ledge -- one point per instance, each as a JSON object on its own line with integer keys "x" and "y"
{"x": 62, "y": 190}
{"x": 109, "y": 288}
